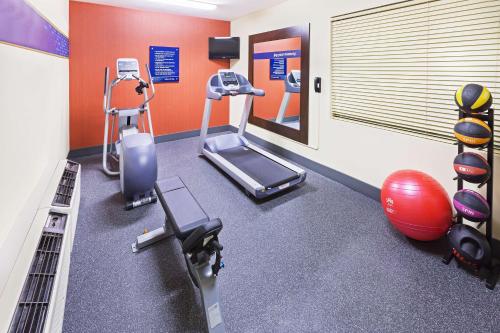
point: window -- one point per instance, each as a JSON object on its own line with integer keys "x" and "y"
{"x": 398, "y": 66}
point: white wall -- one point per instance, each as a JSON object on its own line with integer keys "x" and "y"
{"x": 34, "y": 100}
{"x": 363, "y": 152}
{"x": 55, "y": 11}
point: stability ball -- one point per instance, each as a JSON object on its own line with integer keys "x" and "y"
{"x": 416, "y": 205}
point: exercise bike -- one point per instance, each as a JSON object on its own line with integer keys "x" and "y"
{"x": 134, "y": 151}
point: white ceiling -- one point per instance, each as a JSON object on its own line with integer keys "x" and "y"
{"x": 226, "y": 9}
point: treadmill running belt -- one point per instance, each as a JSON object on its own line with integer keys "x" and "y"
{"x": 264, "y": 170}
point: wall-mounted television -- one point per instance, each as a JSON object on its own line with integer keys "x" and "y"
{"x": 224, "y": 47}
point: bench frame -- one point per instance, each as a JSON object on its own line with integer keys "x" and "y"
{"x": 202, "y": 264}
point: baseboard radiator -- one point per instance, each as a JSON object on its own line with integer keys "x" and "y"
{"x": 41, "y": 295}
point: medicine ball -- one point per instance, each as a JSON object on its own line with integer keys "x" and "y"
{"x": 471, "y": 205}
{"x": 473, "y": 98}
{"x": 472, "y": 132}
{"x": 472, "y": 168}
{"x": 416, "y": 205}
{"x": 469, "y": 245}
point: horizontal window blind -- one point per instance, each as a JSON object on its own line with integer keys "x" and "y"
{"x": 398, "y": 66}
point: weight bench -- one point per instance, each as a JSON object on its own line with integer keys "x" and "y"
{"x": 198, "y": 236}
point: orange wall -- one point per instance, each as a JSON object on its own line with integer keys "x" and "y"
{"x": 101, "y": 34}
{"x": 267, "y": 107}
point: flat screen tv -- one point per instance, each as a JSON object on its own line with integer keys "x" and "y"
{"x": 224, "y": 48}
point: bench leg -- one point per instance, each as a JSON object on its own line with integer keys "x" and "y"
{"x": 149, "y": 238}
{"x": 207, "y": 283}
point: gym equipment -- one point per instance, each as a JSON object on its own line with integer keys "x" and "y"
{"x": 198, "y": 237}
{"x": 416, "y": 205}
{"x": 472, "y": 132}
{"x": 473, "y": 127}
{"x": 471, "y": 205}
{"x": 259, "y": 172}
{"x": 134, "y": 151}
{"x": 472, "y": 168}
{"x": 292, "y": 86}
{"x": 473, "y": 98}
{"x": 469, "y": 245}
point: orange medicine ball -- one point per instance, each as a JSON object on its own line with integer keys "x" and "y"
{"x": 472, "y": 132}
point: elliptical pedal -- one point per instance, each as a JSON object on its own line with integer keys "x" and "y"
{"x": 141, "y": 202}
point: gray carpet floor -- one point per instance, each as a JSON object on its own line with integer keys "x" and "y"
{"x": 320, "y": 258}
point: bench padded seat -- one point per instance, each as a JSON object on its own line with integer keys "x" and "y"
{"x": 184, "y": 212}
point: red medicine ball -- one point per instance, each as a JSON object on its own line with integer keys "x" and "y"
{"x": 472, "y": 168}
{"x": 416, "y": 205}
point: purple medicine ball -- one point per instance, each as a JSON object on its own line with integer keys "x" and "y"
{"x": 471, "y": 205}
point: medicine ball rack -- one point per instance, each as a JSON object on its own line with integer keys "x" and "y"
{"x": 491, "y": 271}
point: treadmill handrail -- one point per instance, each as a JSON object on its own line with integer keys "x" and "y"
{"x": 258, "y": 92}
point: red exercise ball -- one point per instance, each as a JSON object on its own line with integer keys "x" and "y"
{"x": 417, "y": 205}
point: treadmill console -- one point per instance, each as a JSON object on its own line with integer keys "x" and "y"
{"x": 127, "y": 68}
{"x": 228, "y": 79}
{"x": 294, "y": 78}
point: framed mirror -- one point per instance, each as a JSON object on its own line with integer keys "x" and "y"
{"x": 279, "y": 64}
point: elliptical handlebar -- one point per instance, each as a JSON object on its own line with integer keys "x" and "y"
{"x": 106, "y": 79}
{"x": 150, "y": 78}
{"x": 143, "y": 84}
{"x": 149, "y": 84}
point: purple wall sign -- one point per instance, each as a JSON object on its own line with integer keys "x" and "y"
{"x": 21, "y": 25}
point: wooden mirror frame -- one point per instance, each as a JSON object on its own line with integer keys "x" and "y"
{"x": 302, "y": 31}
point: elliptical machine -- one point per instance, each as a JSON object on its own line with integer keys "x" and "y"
{"x": 134, "y": 151}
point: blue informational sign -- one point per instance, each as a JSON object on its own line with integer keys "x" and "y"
{"x": 164, "y": 63}
{"x": 277, "y": 69}
{"x": 277, "y": 55}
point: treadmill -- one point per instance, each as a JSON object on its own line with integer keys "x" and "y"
{"x": 292, "y": 86}
{"x": 258, "y": 171}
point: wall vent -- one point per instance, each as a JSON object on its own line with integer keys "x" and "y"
{"x": 66, "y": 185}
{"x": 34, "y": 301}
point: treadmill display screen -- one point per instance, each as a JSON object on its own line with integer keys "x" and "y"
{"x": 228, "y": 75}
{"x": 228, "y": 78}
